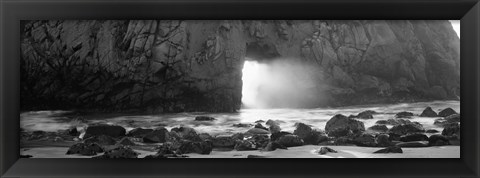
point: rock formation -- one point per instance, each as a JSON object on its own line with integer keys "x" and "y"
{"x": 175, "y": 66}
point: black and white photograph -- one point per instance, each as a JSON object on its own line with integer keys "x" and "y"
{"x": 239, "y": 89}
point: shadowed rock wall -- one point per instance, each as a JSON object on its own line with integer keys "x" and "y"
{"x": 176, "y": 66}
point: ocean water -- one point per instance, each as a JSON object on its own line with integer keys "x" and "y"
{"x": 223, "y": 125}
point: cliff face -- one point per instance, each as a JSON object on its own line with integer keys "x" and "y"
{"x": 176, "y": 66}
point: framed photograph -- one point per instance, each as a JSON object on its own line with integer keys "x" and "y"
{"x": 239, "y": 88}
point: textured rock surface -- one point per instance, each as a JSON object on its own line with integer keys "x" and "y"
{"x": 176, "y": 66}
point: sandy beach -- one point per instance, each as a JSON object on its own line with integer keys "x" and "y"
{"x": 307, "y": 151}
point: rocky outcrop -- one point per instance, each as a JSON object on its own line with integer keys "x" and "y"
{"x": 177, "y": 65}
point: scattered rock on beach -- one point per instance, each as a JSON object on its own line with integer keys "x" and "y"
{"x": 451, "y": 129}
{"x": 414, "y": 137}
{"x": 119, "y": 152}
{"x": 379, "y": 128}
{"x": 103, "y": 129}
{"x": 290, "y": 140}
{"x": 126, "y": 141}
{"x": 428, "y": 112}
{"x": 86, "y": 149}
{"x": 186, "y": 133}
{"x": 139, "y": 132}
{"x": 274, "y": 126}
{"x": 324, "y": 150}
{"x": 101, "y": 140}
{"x": 159, "y": 135}
{"x": 432, "y": 131}
{"x": 255, "y": 131}
{"x": 413, "y": 144}
{"x": 404, "y": 114}
{"x": 453, "y": 118}
{"x": 195, "y": 147}
{"x": 383, "y": 140}
{"x": 343, "y": 124}
{"x": 245, "y": 145}
{"x": 277, "y": 135}
{"x": 242, "y": 125}
{"x": 447, "y": 112}
{"x": 223, "y": 142}
{"x": 390, "y": 149}
{"x": 204, "y": 118}
{"x": 260, "y": 126}
{"x": 205, "y": 137}
{"x": 404, "y": 129}
{"x": 365, "y": 140}
{"x": 437, "y": 140}
{"x": 308, "y": 135}
{"x": 396, "y": 121}
{"x": 271, "y": 146}
{"x": 368, "y": 114}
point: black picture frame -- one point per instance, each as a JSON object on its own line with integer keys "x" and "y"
{"x": 12, "y": 11}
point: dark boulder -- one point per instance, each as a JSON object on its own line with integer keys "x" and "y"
{"x": 119, "y": 152}
{"x": 368, "y": 114}
{"x": 308, "y": 135}
{"x": 271, "y": 146}
{"x": 242, "y": 125}
{"x": 404, "y": 129}
{"x": 238, "y": 136}
{"x": 259, "y": 121}
{"x": 431, "y": 131}
{"x": 260, "y": 141}
{"x": 204, "y": 118}
{"x": 245, "y": 145}
{"x": 341, "y": 132}
{"x": 260, "y": 126}
{"x": 324, "y": 150}
{"x": 396, "y": 121}
{"x": 437, "y": 140}
{"x": 103, "y": 129}
{"x": 453, "y": 118}
{"x": 101, "y": 140}
{"x": 383, "y": 140}
{"x": 382, "y": 122}
{"x": 451, "y": 129}
{"x": 413, "y": 144}
{"x": 203, "y": 147}
{"x": 290, "y": 140}
{"x": 255, "y": 131}
{"x": 340, "y": 124}
{"x": 86, "y": 149}
{"x": 413, "y": 137}
{"x": 302, "y": 130}
{"x": 126, "y": 141}
{"x": 273, "y": 126}
{"x": 428, "y": 112}
{"x": 186, "y": 133}
{"x": 404, "y": 114}
{"x": 139, "y": 132}
{"x": 390, "y": 149}
{"x": 365, "y": 140}
{"x": 159, "y": 135}
{"x": 73, "y": 131}
{"x": 277, "y": 135}
{"x": 447, "y": 112}
{"x": 378, "y": 128}
{"x": 205, "y": 137}
{"x": 223, "y": 142}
